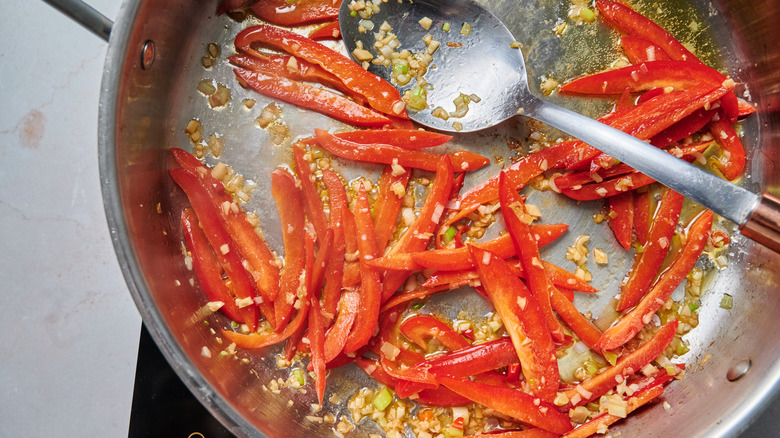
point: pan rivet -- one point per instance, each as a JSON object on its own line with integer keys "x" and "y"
{"x": 147, "y": 55}
{"x": 738, "y": 370}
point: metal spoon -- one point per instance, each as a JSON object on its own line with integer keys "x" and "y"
{"x": 487, "y": 64}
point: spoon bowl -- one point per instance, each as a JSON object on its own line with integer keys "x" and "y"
{"x": 484, "y": 64}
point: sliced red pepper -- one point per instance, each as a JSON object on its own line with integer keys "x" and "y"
{"x": 649, "y": 260}
{"x": 311, "y": 97}
{"x": 630, "y": 324}
{"x": 627, "y": 365}
{"x": 453, "y": 259}
{"x": 265, "y": 339}
{"x": 387, "y": 205}
{"x": 512, "y": 402}
{"x": 639, "y": 50}
{"x": 641, "y": 215}
{"x": 316, "y": 336}
{"x": 207, "y": 269}
{"x": 296, "y": 13}
{"x": 290, "y": 206}
{"x": 328, "y": 31}
{"x": 379, "y": 93}
{"x": 611, "y": 187}
{"x": 312, "y": 204}
{"x": 630, "y": 22}
{"x": 621, "y": 218}
{"x": 295, "y": 342}
{"x": 528, "y": 253}
{"x": 387, "y": 154}
{"x": 290, "y": 67}
{"x": 416, "y": 294}
{"x": 601, "y": 422}
{"x": 370, "y": 285}
{"x": 684, "y": 128}
{"x": 251, "y": 246}
{"x": 225, "y": 249}
{"x": 744, "y": 109}
{"x": 584, "y": 329}
{"x": 349, "y": 305}
{"x": 420, "y": 328}
{"x": 418, "y": 234}
{"x": 528, "y": 433}
{"x": 335, "y": 271}
{"x": 523, "y": 319}
{"x": 679, "y": 75}
{"x": 402, "y": 138}
{"x": 732, "y": 160}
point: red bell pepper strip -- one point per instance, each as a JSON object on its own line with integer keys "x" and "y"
{"x": 518, "y": 175}
{"x": 387, "y": 154}
{"x": 611, "y": 187}
{"x": 513, "y": 403}
{"x": 265, "y": 339}
{"x": 387, "y": 205}
{"x": 420, "y": 328}
{"x": 207, "y": 269}
{"x": 684, "y": 128}
{"x": 629, "y": 22}
{"x": 328, "y": 31}
{"x": 312, "y": 204}
{"x": 559, "y": 277}
{"x": 335, "y": 270}
{"x": 452, "y": 259}
{"x": 416, "y": 294}
{"x": 295, "y": 342}
{"x": 641, "y": 215}
{"x": 316, "y": 337}
{"x": 626, "y": 365}
{"x": 528, "y": 252}
{"x": 380, "y": 95}
{"x": 285, "y": 13}
{"x": 418, "y": 234}
{"x": 311, "y": 97}
{"x": 732, "y": 160}
{"x": 402, "y": 138}
{"x": 584, "y": 329}
{"x": 679, "y": 75}
{"x": 292, "y": 68}
{"x": 649, "y": 260}
{"x": 370, "y": 285}
{"x": 290, "y": 206}
{"x": 639, "y": 50}
{"x": 524, "y": 320}
{"x": 528, "y": 433}
{"x": 744, "y": 109}
{"x": 630, "y": 324}
{"x": 601, "y": 422}
{"x": 225, "y": 249}
{"x": 251, "y": 246}
{"x": 621, "y": 218}
{"x": 349, "y": 305}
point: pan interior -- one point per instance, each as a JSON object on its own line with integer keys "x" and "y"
{"x": 144, "y": 113}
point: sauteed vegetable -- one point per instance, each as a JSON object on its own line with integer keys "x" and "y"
{"x": 360, "y": 260}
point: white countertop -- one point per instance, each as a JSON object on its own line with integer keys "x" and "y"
{"x": 69, "y": 340}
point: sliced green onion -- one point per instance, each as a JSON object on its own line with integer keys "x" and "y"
{"x": 727, "y": 302}
{"x": 591, "y": 368}
{"x": 587, "y": 14}
{"x": 383, "y": 399}
{"x": 693, "y": 307}
{"x": 445, "y": 27}
{"x": 418, "y": 305}
{"x": 298, "y": 374}
{"x": 681, "y": 348}
{"x": 611, "y": 357}
{"x": 233, "y": 324}
{"x": 449, "y": 234}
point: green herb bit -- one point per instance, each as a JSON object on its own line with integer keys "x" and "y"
{"x": 611, "y": 357}
{"x": 298, "y": 374}
{"x": 383, "y": 399}
{"x": 693, "y": 307}
{"x": 449, "y": 234}
{"x": 445, "y": 27}
{"x": 466, "y": 29}
{"x": 587, "y": 14}
{"x": 353, "y": 14}
{"x": 681, "y": 348}
{"x": 727, "y": 302}
{"x": 418, "y": 305}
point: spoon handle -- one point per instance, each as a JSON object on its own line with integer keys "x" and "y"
{"x": 759, "y": 217}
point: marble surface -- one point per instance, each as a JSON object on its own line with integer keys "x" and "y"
{"x": 70, "y": 333}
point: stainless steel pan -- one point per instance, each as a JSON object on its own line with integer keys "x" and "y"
{"x": 148, "y": 95}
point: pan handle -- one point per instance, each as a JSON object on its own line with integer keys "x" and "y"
{"x": 85, "y": 15}
{"x": 763, "y": 224}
